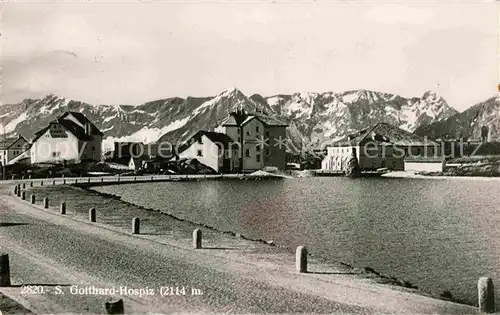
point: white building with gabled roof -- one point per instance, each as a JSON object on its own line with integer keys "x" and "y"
{"x": 13, "y": 149}
{"x": 72, "y": 137}
{"x": 379, "y": 146}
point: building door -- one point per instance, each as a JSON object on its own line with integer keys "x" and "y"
{"x": 226, "y": 166}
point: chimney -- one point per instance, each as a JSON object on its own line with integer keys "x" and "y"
{"x": 88, "y": 129}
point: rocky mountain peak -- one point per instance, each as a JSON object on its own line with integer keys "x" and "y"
{"x": 312, "y": 117}
{"x": 231, "y": 92}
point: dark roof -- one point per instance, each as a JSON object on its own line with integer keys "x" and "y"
{"x": 40, "y": 132}
{"x": 216, "y": 137}
{"x": 234, "y": 119}
{"x": 83, "y": 120}
{"x": 240, "y": 119}
{"x": 383, "y": 133}
{"x": 271, "y": 121}
{"x": 75, "y": 129}
{"x": 6, "y": 143}
{"x": 159, "y": 150}
{"x": 72, "y": 127}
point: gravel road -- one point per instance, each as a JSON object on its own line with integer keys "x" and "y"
{"x": 61, "y": 255}
{"x": 56, "y": 256}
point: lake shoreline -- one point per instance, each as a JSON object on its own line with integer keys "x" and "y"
{"x": 412, "y": 175}
{"x": 353, "y": 288}
{"x": 440, "y": 292}
{"x": 366, "y": 271}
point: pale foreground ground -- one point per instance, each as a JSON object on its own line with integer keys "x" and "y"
{"x": 232, "y": 275}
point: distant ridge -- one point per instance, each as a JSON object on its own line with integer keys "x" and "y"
{"x": 468, "y": 124}
{"x": 315, "y": 119}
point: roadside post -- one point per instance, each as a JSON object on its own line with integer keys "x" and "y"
{"x": 114, "y": 307}
{"x": 301, "y": 259}
{"x": 92, "y": 216}
{"x": 136, "y": 223}
{"x": 4, "y": 270}
{"x": 197, "y": 239}
{"x": 486, "y": 295}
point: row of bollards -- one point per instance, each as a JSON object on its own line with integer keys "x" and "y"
{"x": 486, "y": 295}
{"x": 22, "y": 194}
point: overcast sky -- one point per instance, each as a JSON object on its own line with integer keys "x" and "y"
{"x": 130, "y": 53}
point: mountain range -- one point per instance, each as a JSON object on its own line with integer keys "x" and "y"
{"x": 315, "y": 119}
{"x": 468, "y": 124}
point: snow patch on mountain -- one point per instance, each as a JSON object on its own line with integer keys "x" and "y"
{"x": 331, "y": 115}
{"x": 11, "y": 126}
{"x": 273, "y": 100}
{"x": 313, "y": 118}
{"x": 350, "y": 98}
{"x": 110, "y": 118}
{"x": 144, "y": 135}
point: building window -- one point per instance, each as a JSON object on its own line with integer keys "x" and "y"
{"x": 258, "y": 148}
{"x": 267, "y": 134}
{"x": 56, "y": 154}
{"x": 248, "y": 133}
{"x": 93, "y": 148}
{"x": 239, "y": 131}
{"x": 268, "y": 152}
{"x": 258, "y": 157}
{"x": 199, "y": 153}
{"x": 247, "y": 152}
{"x": 257, "y": 129}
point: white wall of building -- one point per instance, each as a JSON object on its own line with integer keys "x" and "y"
{"x": 253, "y": 158}
{"x": 205, "y": 152}
{"x": 47, "y": 149}
{"x": 337, "y": 157}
